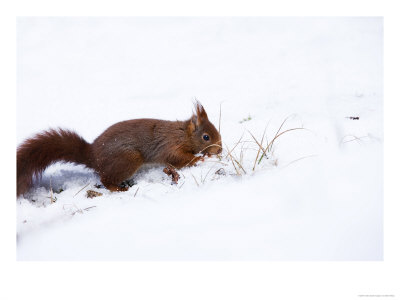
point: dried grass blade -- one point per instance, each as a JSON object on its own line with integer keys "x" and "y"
{"x": 233, "y": 163}
{"x": 276, "y": 136}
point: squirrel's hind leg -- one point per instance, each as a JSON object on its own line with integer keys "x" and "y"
{"x": 119, "y": 169}
{"x": 114, "y": 187}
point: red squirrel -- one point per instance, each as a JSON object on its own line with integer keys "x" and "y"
{"x": 121, "y": 149}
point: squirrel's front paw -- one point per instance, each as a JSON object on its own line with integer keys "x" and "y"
{"x": 201, "y": 158}
{"x": 195, "y": 160}
{"x": 174, "y": 174}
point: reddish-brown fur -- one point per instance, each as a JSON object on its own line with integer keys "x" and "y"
{"x": 120, "y": 150}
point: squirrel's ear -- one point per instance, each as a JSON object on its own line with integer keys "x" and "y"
{"x": 192, "y": 124}
{"x": 201, "y": 113}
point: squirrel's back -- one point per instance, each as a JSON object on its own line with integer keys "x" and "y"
{"x": 153, "y": 138}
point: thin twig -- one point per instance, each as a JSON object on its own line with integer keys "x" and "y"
{"x": 136, "y": 192}
{"x": 259, "y": 145}
{"x": 230, "y": 155}
{"x": 209, "y": 172}
{"x": 87, "y": 208}
{"x": 355, "y": 138}
{"x": 237, "y": 143}
{"x": 280, "y": 127}
{"x": 216, "y": 161}
{"x": 240, "y": 165}
{"x": 272, "y": 141}
{"x": 195, "y": 179}
{"x": 81, "y": 190}
{"x": 259, "y": 149}
{"x": 296, "y": 160}
{"x": 51, "y": 193}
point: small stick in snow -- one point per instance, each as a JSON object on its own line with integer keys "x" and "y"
{"x": 81, "y": 190}
{"x": 52, "y": 200}
{"x": 230, "y": 156}
{"x": 92, "y": 194}
{"x": 87, "y": 208}
{"x": 195, "y": 179}
{"x": 220, "y": 171}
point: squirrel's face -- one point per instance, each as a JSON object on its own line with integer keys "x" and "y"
{"x": 209, "y": 140}
{"x": 205, "y": 137}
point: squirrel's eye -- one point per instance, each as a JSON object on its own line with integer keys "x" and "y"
{"x": 206, "y": 137}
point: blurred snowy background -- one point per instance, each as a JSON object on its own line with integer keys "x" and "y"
{"x": 318, "y": 196}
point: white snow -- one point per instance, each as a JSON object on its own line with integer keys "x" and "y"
{"x": 318, "y": 196}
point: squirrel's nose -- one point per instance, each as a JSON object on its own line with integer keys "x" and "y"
{"x": 219, "y": 151}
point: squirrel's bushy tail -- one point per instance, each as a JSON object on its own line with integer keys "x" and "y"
{"x": 37, "y": 153}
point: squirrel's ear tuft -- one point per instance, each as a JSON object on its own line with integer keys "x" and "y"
{"x": 200, "y": 112}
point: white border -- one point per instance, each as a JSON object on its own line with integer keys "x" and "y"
{"x": 200, "y": 280}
